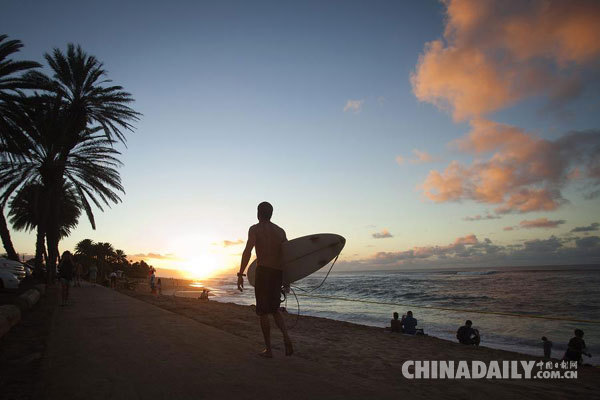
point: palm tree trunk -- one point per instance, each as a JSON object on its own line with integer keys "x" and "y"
{"x": 6, "y": 241}
{"x": 40, "y": 248}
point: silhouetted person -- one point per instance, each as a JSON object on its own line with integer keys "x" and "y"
{"x": 467, "y": 335}
{"x": 267, "y": 238}
{"x": 65, "y": 274}
{"x": 396, "y": 326}
{"x": 78, "y": 273}
{"x": 113, "y": 280}
{"x": 576, "y": 348}
{"x": 93, "y": 272}
{"x": 547, "y": 347}
{"x": 153, "y": 282}
{"x": 409, "y": 324}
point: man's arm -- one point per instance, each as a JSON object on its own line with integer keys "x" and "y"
{"x": 246, "y": 258}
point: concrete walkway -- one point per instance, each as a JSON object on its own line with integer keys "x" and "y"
{"x": 106, "y": 345}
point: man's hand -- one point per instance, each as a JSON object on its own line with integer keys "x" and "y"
{"x": 240, "y": 283}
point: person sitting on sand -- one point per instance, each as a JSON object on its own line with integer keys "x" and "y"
{"x": 409, "y": 324}
{"x": 547, "y": 347}
{"x": 396, "y": 326}
{"x": 576, "y": 348}
{"x": 467, "y": 335}
{"x": 267, "y": 238}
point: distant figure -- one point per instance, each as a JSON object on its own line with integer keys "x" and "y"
{"x": 409, "y": 324}
{"x": 396, "y": 326}
{"x": 204, "y": 294}
{"x": 159, "y": 286}
{"x": 113, "y": 280}
{"x": 576, "y": 348}
{"x": 267, "y": 238}
{"x": 547, "y": 347}
{"x": 78, "y": 271}
{"x": 93, "y": 273}
{"x": 65, "y": 273}
{"x": 153, "y": 283}
{"x": 467, "y": 335}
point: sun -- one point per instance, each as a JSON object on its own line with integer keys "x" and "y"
{"x": 200, "y": 258}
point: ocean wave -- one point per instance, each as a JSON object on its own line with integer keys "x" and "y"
{"x": 476, "y": 272}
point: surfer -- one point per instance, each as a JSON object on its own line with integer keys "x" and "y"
{"x": 267, "y": 238}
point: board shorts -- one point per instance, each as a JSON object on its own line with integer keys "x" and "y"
{"x": 268, "y": 290}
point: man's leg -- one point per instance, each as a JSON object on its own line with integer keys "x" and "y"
{"x": 289, "y": 349}
{"x": 266, "y": 330}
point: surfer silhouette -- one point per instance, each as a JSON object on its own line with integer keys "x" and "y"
{"x": 267, "y": 238}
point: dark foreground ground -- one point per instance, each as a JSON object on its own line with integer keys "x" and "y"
{"x": 132, "y": 345}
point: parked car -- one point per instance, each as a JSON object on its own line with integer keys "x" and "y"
{"x": 14, "y": 267}
{"x": 8, "y": 280}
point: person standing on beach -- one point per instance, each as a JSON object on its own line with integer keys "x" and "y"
{"x": 267, "y": 238}
{"x": 65, "y": 273}
{"x": 547, "y": 347}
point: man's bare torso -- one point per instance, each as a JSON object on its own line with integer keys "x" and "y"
{"x": 268, "y": 240}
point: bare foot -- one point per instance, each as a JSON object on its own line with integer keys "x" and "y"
{"x": 289, "y": 349}
{"x": 266, "y": 353}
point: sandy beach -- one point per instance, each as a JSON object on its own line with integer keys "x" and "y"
{"x": 376, "y": 355}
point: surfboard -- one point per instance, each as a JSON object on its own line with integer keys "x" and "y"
{"x": 304, "y": 255}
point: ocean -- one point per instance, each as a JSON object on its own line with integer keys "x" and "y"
{"x": 442, "y": 300}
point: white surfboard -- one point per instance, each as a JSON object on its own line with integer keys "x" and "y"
{"x": 304, "y": 255}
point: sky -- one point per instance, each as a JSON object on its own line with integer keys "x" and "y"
{"x": 428, "y": 134}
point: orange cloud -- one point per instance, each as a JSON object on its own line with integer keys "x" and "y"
{"x": 494, "y": 53}
{"x": 421, "y": 157}
{"x": 469, "y": 239}
{"x": 541, "y": 223}
{"x": 522, "y": 173}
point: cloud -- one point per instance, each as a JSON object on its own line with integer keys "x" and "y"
{"x": 469, "y": 239}
{"x": 420, "y": 157}
{"x": 156, "y": 256}
{"x": 354, "y": 105}
{"x": 227, "y": 243}
{"x": 494, "y": 54}
{"x": 382, "y": 235}
{"x": 594, "y": 226}
{"x": 479, "y": 217}
{"x": 484, "y": 253}
{"x": 515, "y": 170}
{"x": 541, "y": 223}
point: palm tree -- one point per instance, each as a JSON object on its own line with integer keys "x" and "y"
{"x": 26, "y": 210}
{"x": 11, "y": 85}
{"x": 89, "y": 170}
{"x": 70, "y": 132}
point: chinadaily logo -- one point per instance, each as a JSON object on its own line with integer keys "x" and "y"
{"x": 489, "y": 370}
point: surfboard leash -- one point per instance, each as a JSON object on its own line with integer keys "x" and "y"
{"x": 306, "y": 291}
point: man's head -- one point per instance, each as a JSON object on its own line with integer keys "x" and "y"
{"x": 409, "y": 313}
{"x": 544, "y": 338}
{"x": 468, "y": 323}
{"x": 395, "y": 315}
{"x": 579, "y": 333}
{"x": 265, "y": 211}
